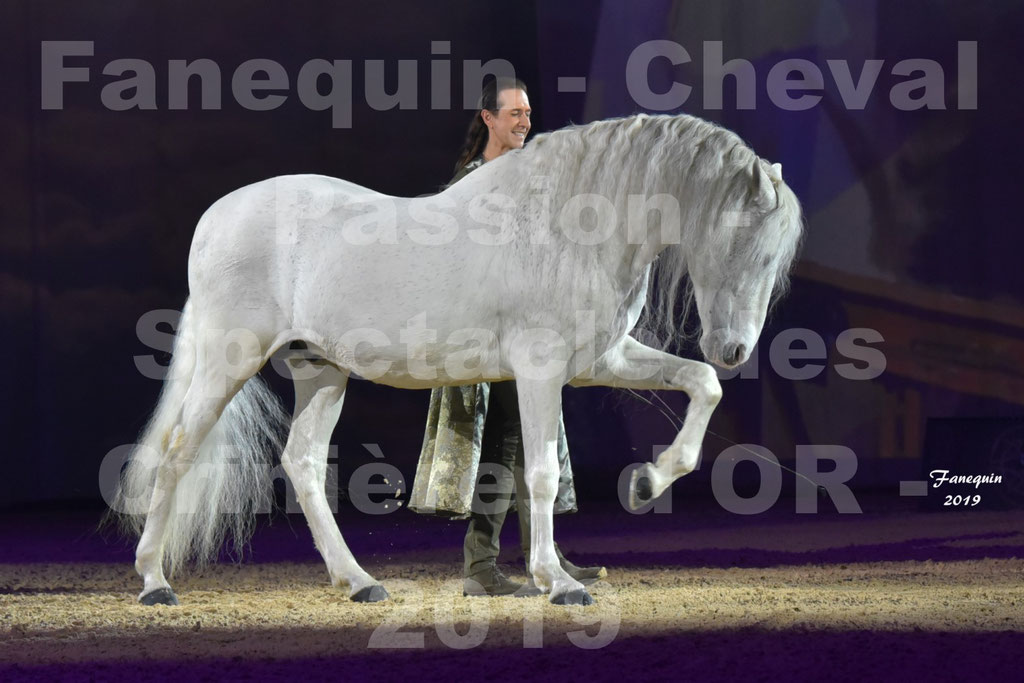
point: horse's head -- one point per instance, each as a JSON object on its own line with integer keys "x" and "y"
{"x": 743, "y": 258}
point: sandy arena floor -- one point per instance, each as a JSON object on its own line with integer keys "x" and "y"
{"x": 900, "y": 593}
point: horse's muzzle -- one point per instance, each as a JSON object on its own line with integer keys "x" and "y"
{"x": 724, "y": 348}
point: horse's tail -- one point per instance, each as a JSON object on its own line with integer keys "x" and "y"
{"x": 230, "y": 478}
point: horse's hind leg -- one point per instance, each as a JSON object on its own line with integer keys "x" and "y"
{"x": 319, "y": 394}
{"x": 205, "y": 400}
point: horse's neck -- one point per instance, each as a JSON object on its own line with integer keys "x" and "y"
{"x": 591, "y": 172}
{"x": 636, "y": 244}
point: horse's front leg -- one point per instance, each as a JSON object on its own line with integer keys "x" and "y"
{"x": 540, "y": 403}
{"x": 631, "y": 365}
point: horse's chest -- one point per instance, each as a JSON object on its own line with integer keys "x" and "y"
{"x": 609, "y": 315}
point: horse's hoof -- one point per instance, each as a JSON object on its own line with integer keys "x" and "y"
{"x": 643, "y": 491}
{"x": 374, "y": 593}
{"x": 161, "y": 596}
{"x": 578, "y": 596}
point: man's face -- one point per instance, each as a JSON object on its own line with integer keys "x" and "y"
{"x": 512, "y": 122}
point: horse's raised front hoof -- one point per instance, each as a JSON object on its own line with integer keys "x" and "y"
{"x": 578, "y": 596}
{"x": 641, "y": 492}
{"x": 161, "y": 596}
{"x": 644, "y": 490}
{"x": 374, "y": 593}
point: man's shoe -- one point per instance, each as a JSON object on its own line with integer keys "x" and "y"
{"x": 529, "y": 590}
{"x": 584, "y": 575}
{"x": 490, "y": 581}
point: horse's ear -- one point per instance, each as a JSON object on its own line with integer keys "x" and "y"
{"x": 763, "y": 188}
{"x": 776, "y": 171}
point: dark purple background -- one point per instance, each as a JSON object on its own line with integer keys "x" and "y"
{"x": 98, "y": 206}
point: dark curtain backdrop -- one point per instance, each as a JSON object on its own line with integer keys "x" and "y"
{"x": 912, "y": 225}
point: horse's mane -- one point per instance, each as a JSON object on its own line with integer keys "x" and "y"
{"x": 708, "y": 168}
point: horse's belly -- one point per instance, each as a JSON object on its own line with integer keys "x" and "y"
{"x": 417, "y": 366}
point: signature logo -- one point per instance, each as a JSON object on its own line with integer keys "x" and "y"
{"x": 940, "y": 477}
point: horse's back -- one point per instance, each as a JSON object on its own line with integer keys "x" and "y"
{"x": 302, "y": 246}
{"x": 239, "y": 261}
{"x": 239, "y": 223}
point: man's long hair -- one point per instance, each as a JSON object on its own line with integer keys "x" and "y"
{"x": 476, "y": 136}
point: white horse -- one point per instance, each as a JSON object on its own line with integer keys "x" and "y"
{"x": 542, "y": 283}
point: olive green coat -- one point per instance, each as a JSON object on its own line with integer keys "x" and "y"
{"x": 450, "y": 458}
